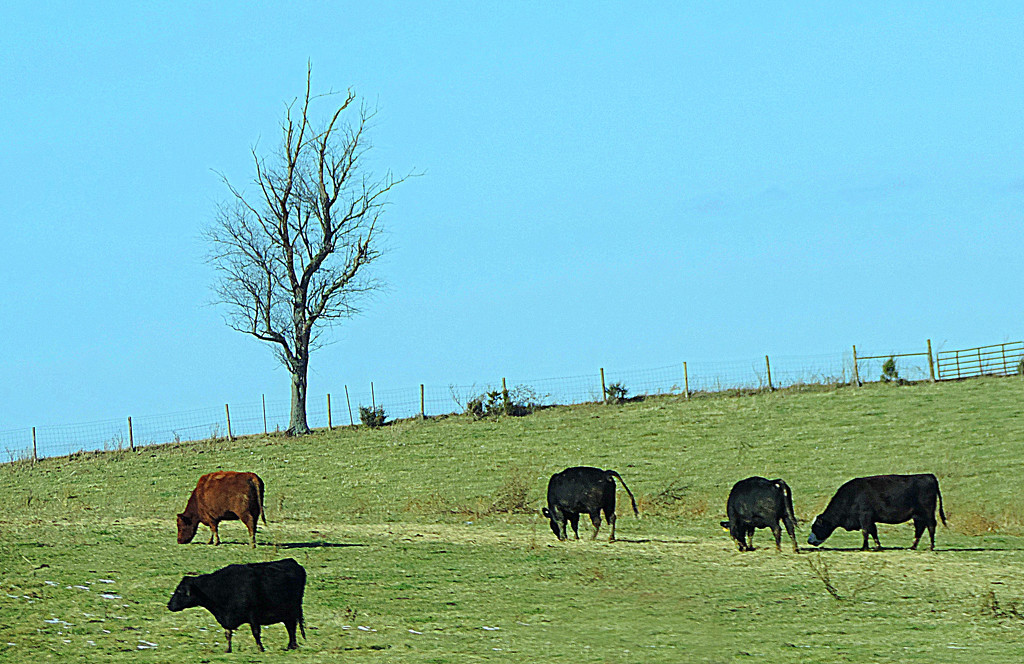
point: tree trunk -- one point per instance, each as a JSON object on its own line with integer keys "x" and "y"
{"x": 297, "y": 425}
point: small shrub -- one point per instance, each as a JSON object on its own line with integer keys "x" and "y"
{"x": 432, "y": 503}
{"x": 483, "y": 405}
{"x": 1020, "y": 367}
{"x": 820, "y": 569}
{"x": 520, "y": 400}
{"x": 372, "y": 417}
{"x": 513, "y": 495}
{"x": 890, "y": 374}
{"x": 524, "y": 400}
{"x": 975, "y": 524}
{"x": 475, "y": 407}
{"x": 993, "y": 607}
{"x": 615, "y": 393}
{"x": 117, "y": 443}
{"x": 19, "y": 456}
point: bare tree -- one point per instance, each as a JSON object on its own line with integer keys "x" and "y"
{"x": 292, "y": 258}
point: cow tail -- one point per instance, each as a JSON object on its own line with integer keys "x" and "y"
{"x": 257, "y": 487}
{"x": 302, "y": 623}
{"x": 941, "y": 513}
{"x": 263, "y": 512}
{"x": 612, "y": 473}
{"x": 789, "y": 498}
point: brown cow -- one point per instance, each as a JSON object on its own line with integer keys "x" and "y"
{"x": 222, "y": 496}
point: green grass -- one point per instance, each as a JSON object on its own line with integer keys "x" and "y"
{"x": 427, "y": 534}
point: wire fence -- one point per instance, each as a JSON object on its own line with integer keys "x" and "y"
{"x": 342, "y": 408}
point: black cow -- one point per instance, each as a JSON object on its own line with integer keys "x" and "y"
{"x": 583, "y": 490}
{"x": 760, "y": 503}
{"x": 862, "y": 502}
{"x": 256, "y": 593}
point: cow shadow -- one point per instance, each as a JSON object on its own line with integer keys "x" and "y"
{"x": 317, "y": 545}
{"x": 951, "y": 549}
{"x": 653, "y": 541}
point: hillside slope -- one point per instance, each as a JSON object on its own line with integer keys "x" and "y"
{"x": 429, "y": 533}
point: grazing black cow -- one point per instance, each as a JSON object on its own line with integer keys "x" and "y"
{"x": 862, "y": 502}
{"x": 256, "y": 593}
{"x": 583, "y": 490}
{"x": 760, "y": 503}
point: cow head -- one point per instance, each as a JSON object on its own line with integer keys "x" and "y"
{"x": 557, "y": 528}
{"x": 187, "y": 526}
{"x": 820, "y": 530}
{"x": 184, "y": 596}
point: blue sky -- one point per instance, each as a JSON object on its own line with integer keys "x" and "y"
{"x": 602, "y": 186}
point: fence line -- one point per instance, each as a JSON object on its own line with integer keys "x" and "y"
{"x": 684, "y": 378}
{"x": 998, "y": 360}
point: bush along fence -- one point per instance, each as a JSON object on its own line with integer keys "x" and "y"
{"x": 372, "y": 406}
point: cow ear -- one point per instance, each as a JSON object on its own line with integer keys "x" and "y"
{"x": 545, "y": 512}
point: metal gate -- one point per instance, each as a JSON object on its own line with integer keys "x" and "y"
{"x": 999, "y": 360}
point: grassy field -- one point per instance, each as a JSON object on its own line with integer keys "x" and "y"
{"x": 423, "y": 541}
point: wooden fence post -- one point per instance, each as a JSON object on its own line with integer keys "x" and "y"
{"x": 330, "y": 425}
{"x": 686, "y": 381}
{"x": 423, "y": 404}
{"x": 769, "y": 367}
{"x": 931, "y": 363}
{"x": 373, "y": 399}
{"x": 35, "y": 454}
{"x": 856, "y": 375}
{"x": 504, "y": 397}
{"x": 264, "y": 397}
{"x": 131, "y": 436}
{"x": 604, "y": 390}
{"x": 227, "y": 413}
{"x": 350, "y": 420}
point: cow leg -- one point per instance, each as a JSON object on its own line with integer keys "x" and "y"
{"x": 610, "y": 517}
{"x": 750, "y": 538}
{"x": 868, "y": 527}
{"x": 256, "y": 633}
{"x": 872, "y": 530}
{"x": 595, "y": 519}
{"x": 574, "y": 521}
{"x": 791, "y": 529}
{"x": 290, "y": 626}
{"x": 931, "y": 532}
{"x": 739, "y": 534}
{"x": 214, "y": 535}
{"x": 227, "y": 633}
{"x": 918, "y": 531}
{"x": 777, "y": 531}
{"x": 250, "y": 523}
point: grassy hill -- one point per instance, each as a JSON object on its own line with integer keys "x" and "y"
{"x": 423, "y": 542}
